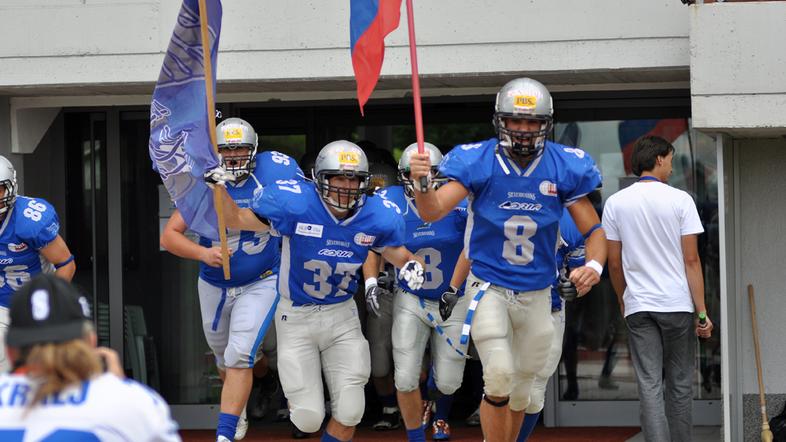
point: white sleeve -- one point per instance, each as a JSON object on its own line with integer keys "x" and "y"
{"x": 609, "y": 224}
{"x": 156, "y": 417}
{"x": 690, "y": 224}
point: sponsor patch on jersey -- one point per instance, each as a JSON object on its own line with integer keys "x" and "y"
{"x": 6, "y": 261}
{"x": 312, "y": 230}
{"x": 336, "y": 253}
{"x": 17, "y": 247}
{"x": 362, "y": 239}
{"x": 526, "y": 102}
{"x": 333, "y": 242}
{"x": 575, "y": 151}
{"x": 349, "y": 159}
{"x": 233, "y": 135}
{"x": 517, "y": 205}
{"x": 548, "y": 188}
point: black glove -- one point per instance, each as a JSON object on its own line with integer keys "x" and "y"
{"x": 387, "y": 281}
{"x": 447, "y": 301}
{"x": 373, "y": 293}
{"x": 566, "y": 288}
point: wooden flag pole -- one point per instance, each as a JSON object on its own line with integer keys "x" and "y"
{"x": 413, "y": 57}
{"x": 211, "y": 122}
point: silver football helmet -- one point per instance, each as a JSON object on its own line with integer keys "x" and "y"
{"x": 403, "y": 167}
{"x": 341, "y": 158}
{"x": 8, "y": 184}
{"x": 523, "y": 99}
{"x": 235, "y": 133}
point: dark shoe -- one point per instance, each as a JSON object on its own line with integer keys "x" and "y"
{"x": 297, "y": 434}
{"x": 390, "y": 420}
{"x": 266, "y": 396}
{"x": 474, "y": 419}
{"x": 606, "y": 383}
{"x": 571, "y": 394}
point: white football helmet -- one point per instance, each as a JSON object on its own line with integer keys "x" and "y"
{"x": 231, "y": 134}
{"x": 8, "y": 183}
{"x": 341, "y": 158}
{"x": 527, "y": 99}
{"x": 403, "y": 167}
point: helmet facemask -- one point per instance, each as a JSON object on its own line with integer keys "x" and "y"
{"x": 9, "y": 196}
{"x": 522, "y": 144}
{"x": 348, "y": 199}
{"x": 437, "y": 180}
{"x": 240, "y": 166}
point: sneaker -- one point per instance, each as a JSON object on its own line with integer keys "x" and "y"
{"x": 441, "y": 430}
{"x": 606, "y": 383}
{"x": 222, "y": 439}
{"x": 297, "y": 434}
{"x": 242, "y": 426}
{"x": 474, "y": 419}
{"x": 391, "y": 419}
{"x": 428, "y": 409}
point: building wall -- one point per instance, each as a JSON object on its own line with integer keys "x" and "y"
{"x": 736, "y": 68}
{"x": 761, "y": 234}
{"x": 117, "y": 42}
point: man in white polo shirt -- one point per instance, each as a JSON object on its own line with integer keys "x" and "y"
{"x": 652, "y": 231}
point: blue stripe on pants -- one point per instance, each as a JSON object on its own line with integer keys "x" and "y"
{"x": 220, "y": 307}
{"x": 262, "y": 331}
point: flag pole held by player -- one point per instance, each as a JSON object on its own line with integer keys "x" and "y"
{"x": 211, "y": 112}
{"x": 413, "y": 56}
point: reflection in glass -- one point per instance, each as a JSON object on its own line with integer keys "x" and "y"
{"x": 596, "y": 363}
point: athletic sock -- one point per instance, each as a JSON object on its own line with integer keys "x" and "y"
{"x": 444, "y": 403}
{"x": 227, "y": 423}
{"x": 416, "y": 435}
{"x": 530, "y": 420}
{"x": 326, "y": 437}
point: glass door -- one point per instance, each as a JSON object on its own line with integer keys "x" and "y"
{"x": 595, "y": 383}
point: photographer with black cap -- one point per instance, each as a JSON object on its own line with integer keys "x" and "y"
{"x": 58, "y": 388}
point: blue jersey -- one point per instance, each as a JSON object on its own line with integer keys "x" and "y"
{"x": 570, "y": 253}
{"x": 513, "y": 213}
{"x": 30, "y": 225}
{"x": 256, "y": 254}
{"x": 321, "y": 255}
{"x": 439, "y": 243}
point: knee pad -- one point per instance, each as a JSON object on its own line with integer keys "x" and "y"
{"x": 306, "y": 420}
{"x": 406, "y": 379}
{"x": 498, "y": 381}
{"x": 235, "y": 358}
{"x": 349, "y": 406}
{"x": 537, "y": 396}
{"x": 520, "y": 396}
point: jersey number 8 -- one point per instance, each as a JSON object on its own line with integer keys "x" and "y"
{"x": 34, "y": 210}
{"x": 518, "y": 249}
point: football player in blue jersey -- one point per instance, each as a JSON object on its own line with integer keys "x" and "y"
{"x": 415, "y": 313}
{"x": 570, "y": 255}
{"x": 236, "y": 313}
{"x": 327, "y": 229}
{"x": 29, "y": 244}
{"x": 517, "y": 186}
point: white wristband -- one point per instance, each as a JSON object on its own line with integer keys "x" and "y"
{"x": 371, "y": 282}
{"x": 595, "y": 265}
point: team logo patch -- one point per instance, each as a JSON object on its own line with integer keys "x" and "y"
{"x": 362, "y": 239}
{"x": 233, "y": 134}
{"x": 349, "y": 159}
{"x": 548, "y": 188}
{"x": 525, "y": 101}
{"x": 17, "y": 247}
{"x": 6, "y": 261}
{"x": 312, "y": 230}
{"x": 336, "y": 253}
{"x": 516, "y": 205}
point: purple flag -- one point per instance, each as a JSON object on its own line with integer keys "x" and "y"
{"x": 180, "y": 144}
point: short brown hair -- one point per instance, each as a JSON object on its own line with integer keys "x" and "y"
{"x": 646, "y": 151}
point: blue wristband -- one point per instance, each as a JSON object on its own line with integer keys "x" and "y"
{"x": 64, "y": 263}
{"x": 592, "y": 230}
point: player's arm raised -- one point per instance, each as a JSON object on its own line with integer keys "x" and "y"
{"x": 434, "y": 205}
{"x": 58, "y": 254}
{"x": 175, "y": 241}
{"x": 588, "y": 223}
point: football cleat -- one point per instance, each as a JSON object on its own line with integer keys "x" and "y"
{"x": 440, "y": 430}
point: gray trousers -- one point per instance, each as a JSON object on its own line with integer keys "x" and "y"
{"x": 663, "y": 349}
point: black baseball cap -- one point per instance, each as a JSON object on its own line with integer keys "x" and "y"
{"x": 46, "y": 310}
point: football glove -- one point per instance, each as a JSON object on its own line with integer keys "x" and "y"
{"x": 447, "y": 301}
{"x": 411, "y": 276}
{"x": 566, "y": 288}
{"x": 373, "y": 293}
{"x": 387, "y": 280}
{"x": 218, "y": 177}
